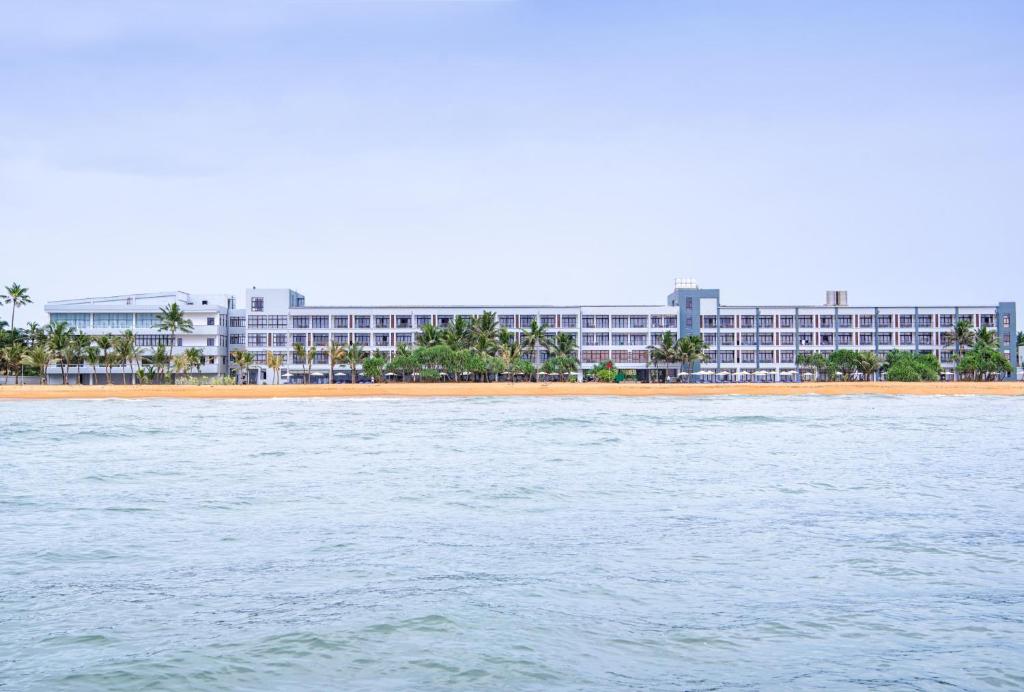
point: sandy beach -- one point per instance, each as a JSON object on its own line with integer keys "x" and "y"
{"x": 475, "y": 389}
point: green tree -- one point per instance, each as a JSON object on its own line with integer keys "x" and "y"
{"x": 664, "y": 351}
{"x": 194, "y": 359}
{"x": 335, "y": 356}
{"x": 172, "y": 319}
{"x": 354, "y": 356}
{"x": 39, "y": 357}
{"x": 299, "y": 356}
{"x": 868, "y": 364}
{"x": 60, "y": 336}
{"x": 242, "y": 362}
{"x": 534, "y": 339}
{"x": 845, "y": 362}
{"x": 16, "y": 296}
{"x": 429, "y": 336}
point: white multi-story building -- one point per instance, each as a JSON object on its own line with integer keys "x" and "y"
{"x": 744, "y": 342}
{"x": 139, "y": 312}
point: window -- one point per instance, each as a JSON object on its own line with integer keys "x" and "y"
{"x": 906, "y": 321}
{"x": 601, "y": 321}
{"x": 728, "y": 339}
{"x": 300, "y": 322}
{"x": 506, "y": 321}
{"x": 403, "y": 321}
{"x": 547, "y": 320}
{"x": 711, "y": 338}
{"x": 423, "y": 320}
{"x": 747, "y": 338}
{"x": 766, "y": 357}
{"x": 569, "y": 321}
{"x": 591, "y": 339}
{"x": 845, "y": 321}
{"x": 637, "y": 339}
{"x": 211, "y": 341}
{"x": 79, "y": 320}
{"x": 826, "y": 321}
{"x": 152, "y": 339}
{"x": 361, "y": 338}
{"x": 620, "y": 356}
{"x": 526, "y": 320}
{"x": 320, "y": 339}
{"x": 672, "y": 321}
{"x": 1006, "y": 321}
{"x": 689, "y": 302}
{"x": 256, "y": 339}
{"x": 885, "y": 321}
{"x": 988, "y": 320}
{"x": 786, "y": 339}
{"x": 925, "y": 339}
{"x": 595, "y": 356}
{"x": 885, "y": 339}
{"x": 619, "y": 339}
{"x": 620, "y": 321}
{"x": 827, "y": 340}
{"x": 405, "y": 338}
{"x": 588, "y": 321}
{"x": 211, "y": 321}
{"x": 785, "y": 321}
{"x": 381, "y": 339}
{"x": 945, "y": 320}
{"x": 299, "y": 339}
{"x": 237, "y": 339}
{"x": 747, "y": 321}
{"x": 844, "y": 339}
{"x": 381, "y": 322}
{"x": 269, "y": 321}
{"x": 787, "y": 356}
{"x": 767, "y": 340}
{"x": 256, "y": 304}
{"x": 280, "y": 339}
{"x": 906, "y": 339}
{"x": 747, "y": 356}
{"x": 341, "y": 321}
{"x": 112, "y": 321}
{"x": 765, "y": 322}
{"x": 638, "y": 321}
{"x": 727, "y": 356}
{"x": 362, "y": 321}
{"x": 319, "y": 321}
{"x": 655, "y": 321}
{"x": 924, "y": 321}
{"x": 710, "y": 322}
{"x": 806, "y": 322}
{"x": 946, "y": 356}
{"x": 237, "y": 322}
{"x": 866, "y": 338}
{"x": 442, "y": 320}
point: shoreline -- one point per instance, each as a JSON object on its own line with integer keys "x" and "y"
{"x": 504, "y": 389}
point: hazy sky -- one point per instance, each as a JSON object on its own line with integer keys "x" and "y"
{"x": 517, "y": 151}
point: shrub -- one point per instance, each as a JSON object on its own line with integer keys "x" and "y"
{"x": 428, "y": 375}
{"x": 903, "y": 371}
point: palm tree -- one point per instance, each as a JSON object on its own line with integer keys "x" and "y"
{"x": 17, "y": 296}
{"x": 274, "y": 363}
{"x": 690, "y": 350}
{"x": 484, "y": 329}
{"x": 985, "y": 338}
{"x": 429, "y": 336}
{"x": 335, "y": 355}
{"x": 13, "y": 356}
{"x": 39, "y": 357}
{"x": 105, "y": 343}
{"x": 664, "y": 351}
{"x": 310, "y": 358}
{"x": 93, "y": 356}
{"x": 127, "y": 352}
{"x": 868, "y": 363}
{"x": 180, "y": 363}
{"x": 510, "y": 351}
{"x": 79, "y": 344}
{"x": 243, "y": 361}
{"x": 354, "y": 356}
{"x": 534, "y": 339}
{"x": 194, "y": 359}
{"x": 299, "y": 354}
{"x": 161, "y": 359}
{"x": 59, "y": 337}
{"x": 1020, "y": 345}
{"x": 962, "y": 337}
{"x": 457, "y": 334}
{"x": 172, "y": 319}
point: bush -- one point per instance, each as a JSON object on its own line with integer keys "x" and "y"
{"x": 903, "y": 371}
{"x": 605, "y": 375}
{"x": 222, "y": 379}
{"x": 428, "y": 375}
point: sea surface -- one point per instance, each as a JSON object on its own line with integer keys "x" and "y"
{"x": 519, "y": 544}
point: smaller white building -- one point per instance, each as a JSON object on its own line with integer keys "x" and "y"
{"x": 139, "y": 313}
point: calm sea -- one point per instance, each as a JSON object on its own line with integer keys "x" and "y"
{"x": 585, "y": 543}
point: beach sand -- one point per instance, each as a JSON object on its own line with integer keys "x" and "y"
{"x": 474, "y": 389}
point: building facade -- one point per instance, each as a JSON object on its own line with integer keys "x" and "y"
{"x": 744, "y": 342}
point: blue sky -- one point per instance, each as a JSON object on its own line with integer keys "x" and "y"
{"x": 517, "y": 151}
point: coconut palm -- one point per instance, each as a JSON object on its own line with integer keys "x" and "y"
{"x": 457, "y": 334}
{"x": 105, "y": 344}
{"x": 335, "y": 355}
{"x": 664, "y": 351}
{"x": 34, "y": 333}
{"x": 868, "y": 363}
{"x": 310, "y": 359}
{"x": 180, "y": 363}
{"x": 985, "y": 338}
{"x": 172, "y": 319}
{"x": 17, "y": 296}
{"x": 690, "y": 350}
{"x": 534, "y": 339}
{"x": 39, "y": 357}
{"x": 161, "y": 359}
{"x": 962, "y": 338}
{"x": 243, "y": 360}
{"x": 274, "y": 363}
{"x": 126, "y": 352}
{"x": 59, "y": 336}
{"x": 511, "y": 353}
{"x": 194, "y": 359}
{"x": 429, "y": 336}
{"x": 299, "y": 355}
{"x": 93, "y": 356}
{"x": 354, "y": 356}
{"x": 12, "y": 357}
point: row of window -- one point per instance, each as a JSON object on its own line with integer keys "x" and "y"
{"x": 408, "y": 321}
{"x": 827, "y": 339}
{"x": 840, "y": 321}
{"x": 786, "y": 356}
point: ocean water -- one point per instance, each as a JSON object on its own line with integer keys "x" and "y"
{"x": 526, "y": 544}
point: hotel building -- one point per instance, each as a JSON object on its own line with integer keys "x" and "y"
{"x": 760, "y": 342}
